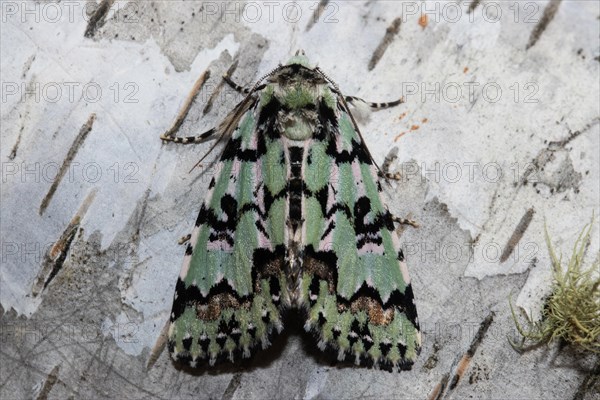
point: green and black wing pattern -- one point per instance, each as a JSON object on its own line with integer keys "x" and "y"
{"x": 295, "y": 219}
{"x": 355, "y": 283}
{"x": 229, "y": 292}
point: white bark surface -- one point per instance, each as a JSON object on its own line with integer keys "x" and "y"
{"x": 501, "y": 117}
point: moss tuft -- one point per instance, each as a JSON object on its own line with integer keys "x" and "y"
{"x": 572, "y": 310}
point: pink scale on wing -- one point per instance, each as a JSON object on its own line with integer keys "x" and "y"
{"x": 404, "y": 270}
{"x": 373, "y": 171}
{"x": 263, "y": 240}
{"x": 253, "y": 142}
{"x": 186, "y": 267}
{"x": 258, "y": 176}
{"x": 358, "y": 178}
{"x": 188, "y": 258}
{"x": 236, "y": 168}
{"x": 326, "y": 243}
{"x": 334, "y": 177}
{"x": 259, "y": 187}
{"x": 219, "y": 245}
{"x": 231, "y": 283}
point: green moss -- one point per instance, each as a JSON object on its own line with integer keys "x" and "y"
{"x": 572, "y": 310}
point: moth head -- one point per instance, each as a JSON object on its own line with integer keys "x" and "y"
{"x": 300, "y": 59}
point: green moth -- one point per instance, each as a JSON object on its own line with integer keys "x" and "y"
{"x": 294, "y": 219}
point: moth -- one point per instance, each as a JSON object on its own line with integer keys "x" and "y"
{"x": 293, "y": 219}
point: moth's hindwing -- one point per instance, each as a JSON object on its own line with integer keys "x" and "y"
{"x": 230, "y": 287}
{"x": 355, "y": 284}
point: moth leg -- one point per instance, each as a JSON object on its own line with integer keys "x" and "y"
{"x": 184, "y": 239}
{"x": 405, "y": 221}
{"x": 235, "y": 86}
{"x": 209, "y": 134}
{"x": 394, "y": 176}
{"x": 385, "y": 172}
{"x": 377, "y": 106}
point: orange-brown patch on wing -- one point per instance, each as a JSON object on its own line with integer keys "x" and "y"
{"x": 270, "y": 268}
{"x": 216, "y": 304}
{"x": 377, "y": 314}
{"x": 319, "y": 268}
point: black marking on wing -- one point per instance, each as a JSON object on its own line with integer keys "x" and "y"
{"x": 233, "y": 150}
{"x": 295, "y": 185}
{"x": 187, "y": 343}
{"x": 370, "y": 232}
{"x": 267, "y": 264}
{"x": 190, "y": 296}
{"x": 228, "y": 329}
{"x": 270, "y": 198}
{"x": 268, "y": 119}
{"x": 400, "y": 255}
{"x": 329, "y": 132}
{"x": 404, "y": 301}
{"x": 328, "y": 122}
{"x": 327, "y": 259}
{"x": 220, "y": 230}
{"x": 357, "y": 152}
{"x": 327, "y": 231}
{"x": 313, "y": 290}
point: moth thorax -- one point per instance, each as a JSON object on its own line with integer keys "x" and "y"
{"x": 298, "y": 115}
{"x": 299, "y": 124}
